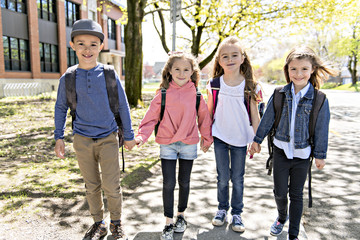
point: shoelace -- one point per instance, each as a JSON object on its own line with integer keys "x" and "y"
{"x": 92, "y": 230}
{"x": 118, "y": 230}
{"x": 220, "y": 213}
{"x": 237, "y": 219}
{"x": 168, "y": 227}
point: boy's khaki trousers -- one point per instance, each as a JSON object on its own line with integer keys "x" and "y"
{"x": 91, "y": 154}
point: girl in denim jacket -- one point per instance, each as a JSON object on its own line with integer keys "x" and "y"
{"x": 178, "y": 133}
{"x": 232, "y": 129}
{"x": 304, "y": 71}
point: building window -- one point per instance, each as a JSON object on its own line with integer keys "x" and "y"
{"x": 111, "y": 29}
{"x": 92, "y": 15}
{"x": 72, "y": 13}
{"x": 49, "y": 57}
{"x": 14, "y": 5}
{"x": 71, "y": 57}
{"x": 16, "y": 54}
{"x": 122, "y": 33}
{"x": 47, "y": 10}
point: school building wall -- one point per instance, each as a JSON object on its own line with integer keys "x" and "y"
{"x": 43, "y": 29}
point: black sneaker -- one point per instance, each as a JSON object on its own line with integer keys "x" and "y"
{"x": 96, "y": 231}
{"x": 117, "y": 231}
{"x": 180, "y": 224}
{"x": 168, "y": 232}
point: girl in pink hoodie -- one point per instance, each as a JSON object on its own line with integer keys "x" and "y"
{"x": 178, "y": 133}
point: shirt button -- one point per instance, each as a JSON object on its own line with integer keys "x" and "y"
{"x": 297, "y": 130}
{"x": 89, "y": 86}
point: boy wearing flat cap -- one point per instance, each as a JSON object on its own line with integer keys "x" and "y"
{"x": 95, "y": 129}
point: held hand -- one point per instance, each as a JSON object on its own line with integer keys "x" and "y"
{"x": 320, "y": 163}
{"x": 202, "y": 147}
{"x": 205, "y": 148}
{"x": 254, "y": 148}
{"x": 129, "y": 144}
{"x": 60, "y": 148}
{"x": 139, "y": 141}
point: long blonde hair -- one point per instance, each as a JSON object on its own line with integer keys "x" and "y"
{"x": 321, "y": 69}
{"x": 166, "y": 76}
{"x": 245, "y": 68}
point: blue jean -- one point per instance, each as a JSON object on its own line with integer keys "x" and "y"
{"x": 289, "y": 176}
{"x": 178, "y": 150}
{"x": 230, "y": 164}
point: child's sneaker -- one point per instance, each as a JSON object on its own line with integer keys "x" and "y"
{"x": 96, "y": 231}
{"x": 277, "y": 227}
{"x": 219, "y": 218}
{"x": 180, "y": 224}
{"x": 117, "y": 232}
{"x": 237, "y": 224}
{"x": 168, "y": 232}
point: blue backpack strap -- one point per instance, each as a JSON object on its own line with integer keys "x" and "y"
{"x": 215, "y": 88}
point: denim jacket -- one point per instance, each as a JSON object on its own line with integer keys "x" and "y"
{"x": 301, "y": 123}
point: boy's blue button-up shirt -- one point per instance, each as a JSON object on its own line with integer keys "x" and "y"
{"x": 94, "y": 118}
{"x": 301, "y": 133}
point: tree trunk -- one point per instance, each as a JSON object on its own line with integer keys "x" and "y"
{"x": 352, "y": 68}
{"x": 133, "y": 51}
{"x": 354, "y": 71}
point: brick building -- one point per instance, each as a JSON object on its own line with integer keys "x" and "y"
{"x": 36, "y": 34}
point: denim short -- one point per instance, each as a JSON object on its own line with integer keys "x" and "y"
{"x": 179, "y": 150}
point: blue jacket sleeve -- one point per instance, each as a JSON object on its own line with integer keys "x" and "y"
{"x": 61, "y": 109}
{"x": 124, "y": 111}
{"x": 266, "y": 123}
{"x": 321, "y": 133}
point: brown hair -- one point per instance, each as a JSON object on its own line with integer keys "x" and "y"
{"x": 166, "y": 76}
{"x": 245, "y": 67}
{"x": 321, "y": 70}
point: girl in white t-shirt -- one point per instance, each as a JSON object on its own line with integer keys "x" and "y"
{"x": 234, "y": 93}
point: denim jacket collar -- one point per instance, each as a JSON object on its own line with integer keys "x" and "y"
{"x": 287, "y": 90}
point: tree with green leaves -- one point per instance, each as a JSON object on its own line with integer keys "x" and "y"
{"x": 210, "y": 21}
{"x": 347, "y": 42}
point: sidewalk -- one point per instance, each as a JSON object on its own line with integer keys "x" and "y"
{"x": 143, "y": 212}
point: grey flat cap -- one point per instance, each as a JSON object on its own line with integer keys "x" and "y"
{"x": 87, "y": 26}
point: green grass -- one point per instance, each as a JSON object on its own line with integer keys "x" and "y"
{"x": 348, "y": 87}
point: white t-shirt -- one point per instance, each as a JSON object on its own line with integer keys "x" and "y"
{"x": 231, "y": 123}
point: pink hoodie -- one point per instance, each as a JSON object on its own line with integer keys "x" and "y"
{"x": 179, "y": 121}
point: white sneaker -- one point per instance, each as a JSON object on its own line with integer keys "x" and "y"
{"x": 220, "y": 218}
{"x": 237, "y": 224}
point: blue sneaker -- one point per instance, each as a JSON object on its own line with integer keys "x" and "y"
{"x": 237, "y": 224}
{"x": 219, "y": 218}
{"x": 277, "y": 227}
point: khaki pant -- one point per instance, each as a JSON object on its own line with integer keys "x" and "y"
{"x": 104, "y": 152}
